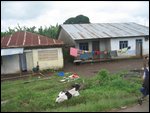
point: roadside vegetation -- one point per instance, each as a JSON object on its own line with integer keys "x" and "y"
{"x": 102, "y": 92}
{"x": 50, "y": 31}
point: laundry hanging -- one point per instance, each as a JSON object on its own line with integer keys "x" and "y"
{"x": 74, "y": 52}
{"x": 97, "y": 52}
{"x": 123, "y": 50}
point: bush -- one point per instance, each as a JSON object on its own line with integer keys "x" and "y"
{"x": 102, "y": 76}
{"x": 98, "y": 93}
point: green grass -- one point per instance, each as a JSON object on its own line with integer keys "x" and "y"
{"x": 102, "y": 92}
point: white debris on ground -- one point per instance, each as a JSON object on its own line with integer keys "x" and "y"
{"x": 3, "y": 102}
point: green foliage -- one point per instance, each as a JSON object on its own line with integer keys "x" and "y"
{"x": 50, "y": 31}
{"x": 48, "y": 70}
{"x": 70, "y": 21}
{"x": 100, "y": 93}
{"x": 80, "y": 19}
{"x": 9, "y": 32}
{"x": 102, "y": 76}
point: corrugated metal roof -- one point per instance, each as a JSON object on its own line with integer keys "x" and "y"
{"x": 11, "y": 51}
{"x": 27, "y": 39}
{"x": 105, "y": 30}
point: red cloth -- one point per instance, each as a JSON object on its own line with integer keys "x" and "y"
{"x": 97, "y": 52}
{"x": 74, "y": 76}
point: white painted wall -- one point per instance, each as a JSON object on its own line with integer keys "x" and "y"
{"x": 145, "y": 47}
{"x": 103, "y": 44}
{"x": 52, "y": 64}
{"x": 90, "y": 45}
{"x": 10, "y": 64}
{"x": 114, "y": 43}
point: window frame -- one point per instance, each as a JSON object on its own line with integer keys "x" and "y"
{"x": 84, "y": 46}
{"x": 123, "y": 44}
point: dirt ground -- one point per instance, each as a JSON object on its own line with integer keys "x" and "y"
{"x": 136, "y": 108}
{"x": 90, "y": 69}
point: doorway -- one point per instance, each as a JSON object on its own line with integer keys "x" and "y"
{"x": 139, "y": 45}
{"x": 23, "y": 63}
{"x": 95, "y": 47}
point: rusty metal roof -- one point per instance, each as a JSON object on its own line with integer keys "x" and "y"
{"x": 105, "y": 30}
{"x": 28, "y": 39}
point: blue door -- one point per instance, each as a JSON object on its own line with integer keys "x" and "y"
{"x": 23, "y": 63}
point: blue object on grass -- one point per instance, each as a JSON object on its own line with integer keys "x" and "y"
{"x": 61, "y": 74}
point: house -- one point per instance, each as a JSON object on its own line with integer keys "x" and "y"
{"x": 107, "y": 37}
{"x": 23, "y": 50}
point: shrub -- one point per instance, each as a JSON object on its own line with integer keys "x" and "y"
{"x": 102, "y": 76}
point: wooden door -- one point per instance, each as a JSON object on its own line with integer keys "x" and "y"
{"x": 139, "y": 47}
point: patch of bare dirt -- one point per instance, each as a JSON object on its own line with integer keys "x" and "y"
{"x": 90, "y": 69}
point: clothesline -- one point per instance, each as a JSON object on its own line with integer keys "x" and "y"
{"x": 75, "y": 52}
{"x": 84, "y": 54}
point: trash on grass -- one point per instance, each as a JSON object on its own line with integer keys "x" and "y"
{"x": 70, "y": 78}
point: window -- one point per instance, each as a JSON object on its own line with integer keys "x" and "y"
{"x": 45, "y": 55}
{"x": 123, "y": 44}
{"x": 139, "y": 41}
{"x": 83, "y": 46}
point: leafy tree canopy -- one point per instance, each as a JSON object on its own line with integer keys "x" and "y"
{"x": 80, "y": 19}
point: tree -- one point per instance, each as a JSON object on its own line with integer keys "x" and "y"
{"x": 9, "y": 32}
{"x": 70, "y": 21}
{"x": 50, "y": 31}
{"x": 80, "y": 19}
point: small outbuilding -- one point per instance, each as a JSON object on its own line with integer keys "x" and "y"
{"x": 23, "y": 50}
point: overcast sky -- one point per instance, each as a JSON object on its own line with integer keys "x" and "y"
{"x": 39, "y": 13}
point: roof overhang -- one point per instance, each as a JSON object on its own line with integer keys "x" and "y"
{"x": 11, "y": 51}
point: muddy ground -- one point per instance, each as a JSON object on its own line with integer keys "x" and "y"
{"x": 136, "y": 108}
{"x": 89, "y": 69}
{"x": 113, "y": 66}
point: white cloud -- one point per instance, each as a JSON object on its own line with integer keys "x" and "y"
{"x": 22, "y": 9}
{"x": 48, "y": 13}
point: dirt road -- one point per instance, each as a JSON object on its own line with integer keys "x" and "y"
{"x": 137, "y": 108}
{"x": 90, "y": 69}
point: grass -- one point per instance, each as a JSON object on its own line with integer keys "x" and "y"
{"x": 102, "y": 92}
